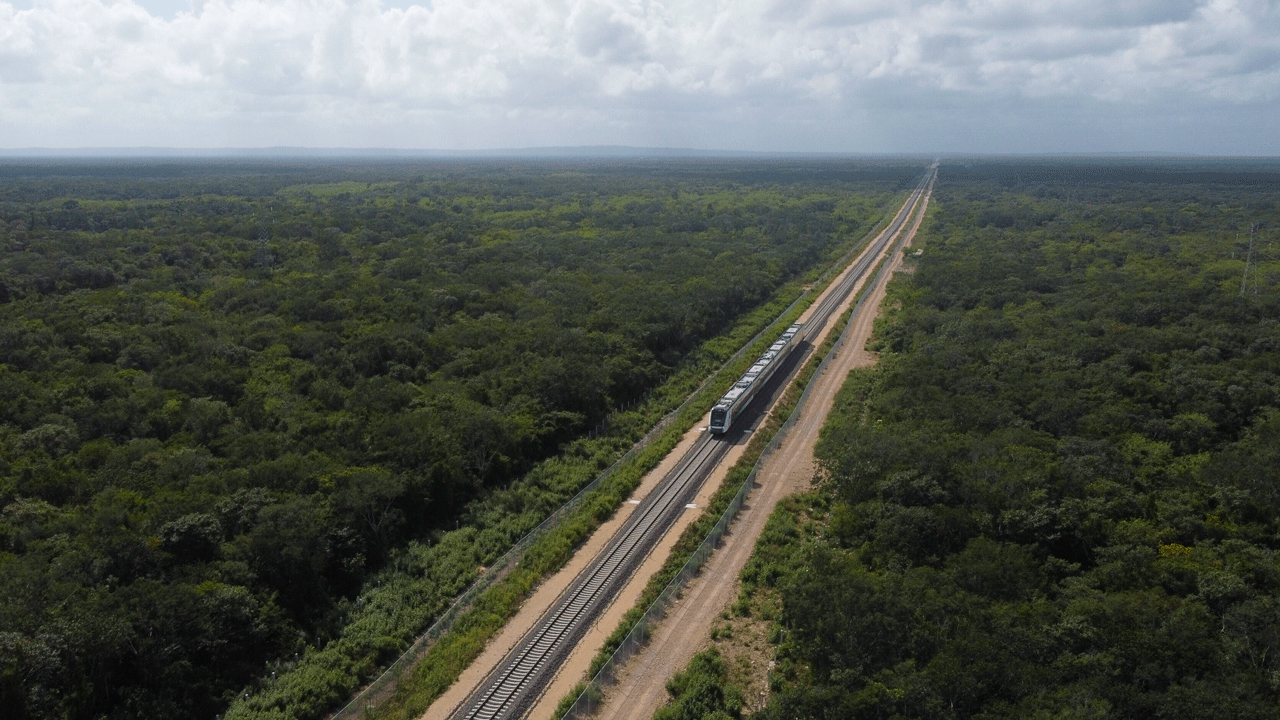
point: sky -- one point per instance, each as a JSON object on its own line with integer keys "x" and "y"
{"x": 856, "y": 76}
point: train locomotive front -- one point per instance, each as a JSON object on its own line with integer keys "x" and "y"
{"x": 732, "y": 403}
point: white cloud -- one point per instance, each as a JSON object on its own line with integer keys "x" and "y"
{"x": 697, "y": 72}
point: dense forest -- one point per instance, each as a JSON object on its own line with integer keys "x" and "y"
{"x": 235, "y": 396}
{"x": 1058, "y": 494}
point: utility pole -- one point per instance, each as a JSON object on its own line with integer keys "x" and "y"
{"x": 1248, "y": 263}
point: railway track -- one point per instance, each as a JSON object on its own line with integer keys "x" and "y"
{"x": 822, "y": 312}
{"x": 511, "y": 689}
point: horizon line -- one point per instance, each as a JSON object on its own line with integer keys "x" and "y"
{"x": 550, "y": 151}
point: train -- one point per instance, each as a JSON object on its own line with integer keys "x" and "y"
{"x": 739, "y": 396}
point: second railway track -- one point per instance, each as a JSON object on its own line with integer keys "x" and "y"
{"x": 509, "y": 689}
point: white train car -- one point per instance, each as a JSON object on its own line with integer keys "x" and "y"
{"x": 738, "y": 396}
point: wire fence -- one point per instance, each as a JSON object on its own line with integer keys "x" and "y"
{"x": 592, "y": 697}
{"x": 384, "y": 684}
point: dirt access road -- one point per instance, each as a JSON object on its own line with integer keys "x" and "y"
{"x": 686, "y": 630}
{"x": 743, "y": 536}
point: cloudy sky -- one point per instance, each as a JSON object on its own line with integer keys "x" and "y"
{"x": 1195, "y": 76}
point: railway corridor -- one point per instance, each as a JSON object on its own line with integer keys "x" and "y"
{"x": 515, "y": 675}
{"x": 641, "y": 689}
